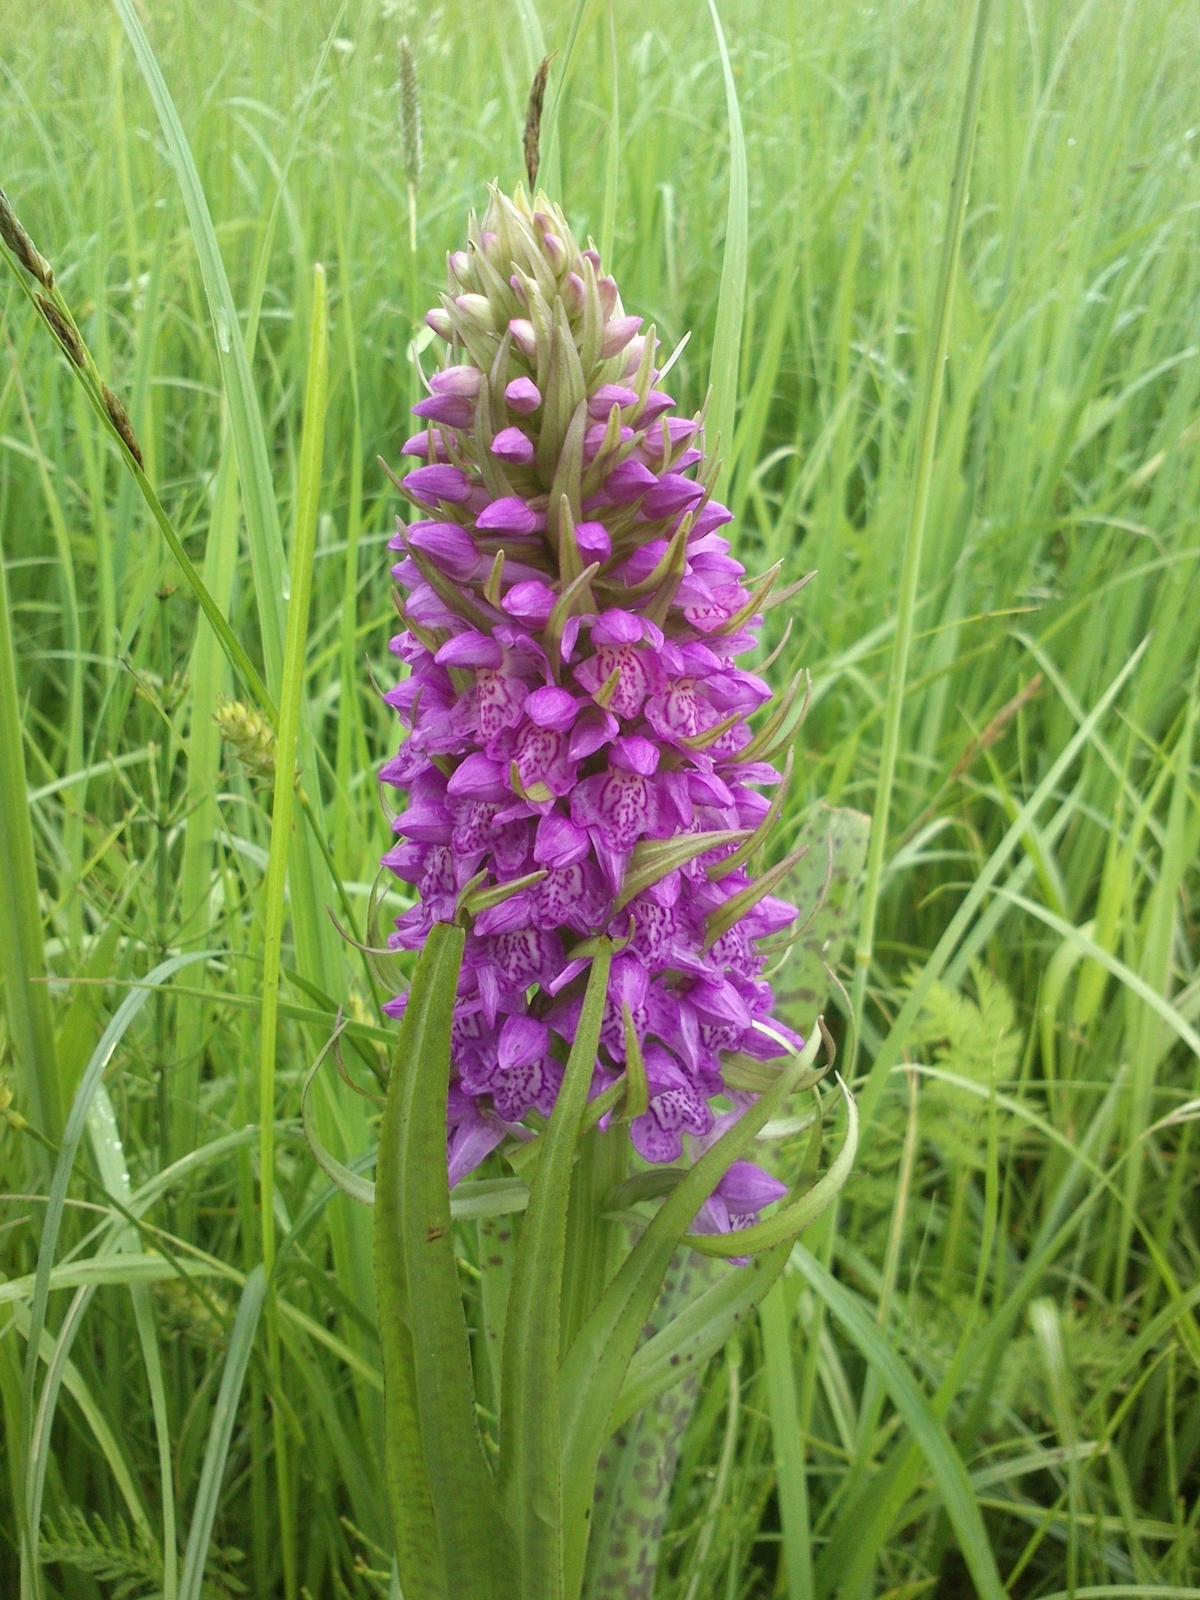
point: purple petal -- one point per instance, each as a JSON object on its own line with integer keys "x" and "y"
{"x": 673, "y": 492}
{"x": 524, "y": 1040}
{"x": 479, "y": 778}
{"x": 471, "y": 1141}
{"x": 551, "y": 707}
{"x": 624, "y": 483}
{"x": 714, "y": 515}
{"x": 745, "y": 1187}
{"x": 657, "y": 401}
{"x": 470, "y": 649}
{"x": 559, "y": 843}
{"x": 635, "y": 754}
{"x": 592, "y": 731}
{"x": 617, "y": 627}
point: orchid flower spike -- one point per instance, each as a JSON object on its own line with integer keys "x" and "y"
{"x": 577, "y": 724}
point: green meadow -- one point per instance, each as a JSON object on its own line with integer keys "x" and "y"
{"x": 981, "y": 1373}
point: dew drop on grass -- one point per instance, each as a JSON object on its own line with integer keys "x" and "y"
{"x": 223, "y": 329}
{"x": 287, "y": 585}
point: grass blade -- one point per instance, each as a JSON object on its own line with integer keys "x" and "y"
{"x": 245, "y": 418}
{"x": 731, "y": 303}
{"x": 910, "y": 571}
{"x": 55, "y": 1205}
{"x": 22, "y": 957}
{"x": 220, "y": 1432}
{"x": 889, "y": 1051}
{"x": 791, "y": 1478}
{"x": 944, "y": 1461}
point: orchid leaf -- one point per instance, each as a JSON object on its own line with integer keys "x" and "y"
{"x": 450, "y": 1534}
{"x": 596, "y": 1365}
{"x": 688, "y": 1341}
{"x": 529, "y": 1425}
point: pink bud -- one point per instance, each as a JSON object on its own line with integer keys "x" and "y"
{"x": 460, "y": 266}
{"x": 511, "y": 445}
{"x": 609, "y": 395}
{"x": 477, "y": 308}
{"x": 554, "y": 250}
{"x": 531, "y": 601}
{"x": 451, "y": 409}
{"x": 509, "y": 514}
{"x": 594, "y": 541}
{"x": 523, "y": 396}
{"x": 608, "y": 294}
{"x": 464, "y": 381}
{"x": 572, "y": 292}
{"x": 617, "y": 334}
{"x": 439, "y": 321}
{"x": 523, "y": 336}
{"x": 431, "y": 484}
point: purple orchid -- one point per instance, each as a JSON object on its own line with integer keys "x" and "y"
{"x": 574, "y": 710}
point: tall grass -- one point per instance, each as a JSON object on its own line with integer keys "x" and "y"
{"x": 995, "y": 1343}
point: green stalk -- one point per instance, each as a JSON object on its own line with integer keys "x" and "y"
{"x": 910, "y": 571}
{"x": 295, "y": 640}
{"x": 22, "y": 958}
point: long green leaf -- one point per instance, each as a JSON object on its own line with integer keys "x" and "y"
{"x": 930, "y": 1434}
{"x": 220, "y": 1433}
{"x": 690, "y": 1339}
{"x": 530, "y": 1481}
{"x": 450, "y": 1537}
{"x": 597, "y": 1363}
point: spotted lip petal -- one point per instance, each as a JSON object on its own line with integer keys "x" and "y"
{"x": 572, "y": 702}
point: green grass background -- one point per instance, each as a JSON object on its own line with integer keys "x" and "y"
{"x": 1021, "y": 1232}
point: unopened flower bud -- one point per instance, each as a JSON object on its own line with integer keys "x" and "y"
{"x": 522, "y": 395}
